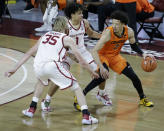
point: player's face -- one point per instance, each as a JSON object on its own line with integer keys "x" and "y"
{"x": 117, "y": 25}
{"x": 78, "y": 15}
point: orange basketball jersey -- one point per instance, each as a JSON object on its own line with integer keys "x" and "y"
{"x": 114, "y": 45}
{"x": 63, "y": 3}
{"x": 125, "y": 1}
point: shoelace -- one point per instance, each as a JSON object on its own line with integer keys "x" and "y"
{"x": 145, "y": 100}
{"x": 105, "y": 96}
{"x": 32, "y": 109}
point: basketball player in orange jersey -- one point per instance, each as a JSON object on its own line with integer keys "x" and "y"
{"x": 106, "y": 53}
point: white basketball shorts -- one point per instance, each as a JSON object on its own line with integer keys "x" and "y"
{"x": 55, "y": 72}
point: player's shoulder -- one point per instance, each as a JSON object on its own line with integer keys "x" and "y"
{"x": 130, "y": 30}
{"x": 67, "y": 38}
{"x": 86, "y": 22}
{"x": 106, "y": 31}
{"x": 55, "y": 33}
{"x": 68, "y": 41}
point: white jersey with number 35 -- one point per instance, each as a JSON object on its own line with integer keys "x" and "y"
{"x": 48, "y": 61}
{"x": 51, "y": 48}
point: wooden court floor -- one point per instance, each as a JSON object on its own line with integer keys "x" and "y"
{"x": 124, "y": 115}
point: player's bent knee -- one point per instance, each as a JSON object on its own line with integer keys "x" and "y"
{"x": 75, "y": 86}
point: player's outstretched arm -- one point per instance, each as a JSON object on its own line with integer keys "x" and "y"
{"x": 104, "y": 38}
{"x": 134, "y": 45}
{"x": 90, "y": 32}
{"x": 26, "y": 56}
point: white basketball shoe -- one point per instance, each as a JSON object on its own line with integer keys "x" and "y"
{"x": 29, "y": 112}
{"x": 104, "y": 99}
{"x": 44, "y": 28}
{"x": 89, "y": 120}
{"x": 45, "y": 106}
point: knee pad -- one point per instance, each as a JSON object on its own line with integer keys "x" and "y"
{"x": 75, "y": 86}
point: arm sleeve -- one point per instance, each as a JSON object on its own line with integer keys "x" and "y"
{"x": 136, "y": 48}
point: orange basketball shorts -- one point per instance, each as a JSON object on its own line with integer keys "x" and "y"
{"x": 116, "y": 63}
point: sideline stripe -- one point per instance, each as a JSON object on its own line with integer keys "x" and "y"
{"x": 24, "y": 77}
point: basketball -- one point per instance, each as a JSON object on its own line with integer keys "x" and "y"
{"x": 149, "y": 64}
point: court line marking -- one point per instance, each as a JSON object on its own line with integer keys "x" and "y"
{"x": 21, "y": 82}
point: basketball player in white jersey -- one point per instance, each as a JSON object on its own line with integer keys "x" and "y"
{"x": 77, "y": 28}
{"x": 51, "y": 51}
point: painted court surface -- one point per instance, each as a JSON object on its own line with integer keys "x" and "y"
{"x": 17, "y": 36}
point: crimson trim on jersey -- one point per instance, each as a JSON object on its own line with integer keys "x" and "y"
{"x": 84, "y": 26}
{"x": 91, "y": 62}
{"x": 62, "y": 48}
{"x": 66, "y": 63}
{"x": 73, "y": 27}
{"x": 71, "y": 78}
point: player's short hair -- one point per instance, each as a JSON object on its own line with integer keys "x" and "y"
{"x": 60, "y": 23}
{"x": 120, "y": 15}
{"x": 72, "y": 8}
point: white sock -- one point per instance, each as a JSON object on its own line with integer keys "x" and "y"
{"x": 35, "y": 99}
{"x": 83, "y": 107}
{"x": 101, "y": 92}
{"x": 48, "y": 97}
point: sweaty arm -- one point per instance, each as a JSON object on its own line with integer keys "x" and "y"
{"x": 133, "y": 43}
{"x": 70, "y": 43}
{"x": 26, "y": 56}
{"x": 72, "y": 56}
{"x": 90, "y": 32}
{"x": 104, "y": 38}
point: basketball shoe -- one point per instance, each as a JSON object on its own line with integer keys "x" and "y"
{"x": 29, "y": 112}
{"x": 104, "y": 99}
{"x": 146, "y": 102}
{"x": 28, "y": 8}
{"x": 89, "y": 120}
{"x": 45, "y": 106}
{"x": 44, "y": 28}
{"x": 76, "y": 105}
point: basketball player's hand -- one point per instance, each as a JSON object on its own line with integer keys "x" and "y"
{"x": 10, "y": 73}
{"x": 147, "y": 55}
{"x": 95, "y": 74}
{"x": 104, "y": 73}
